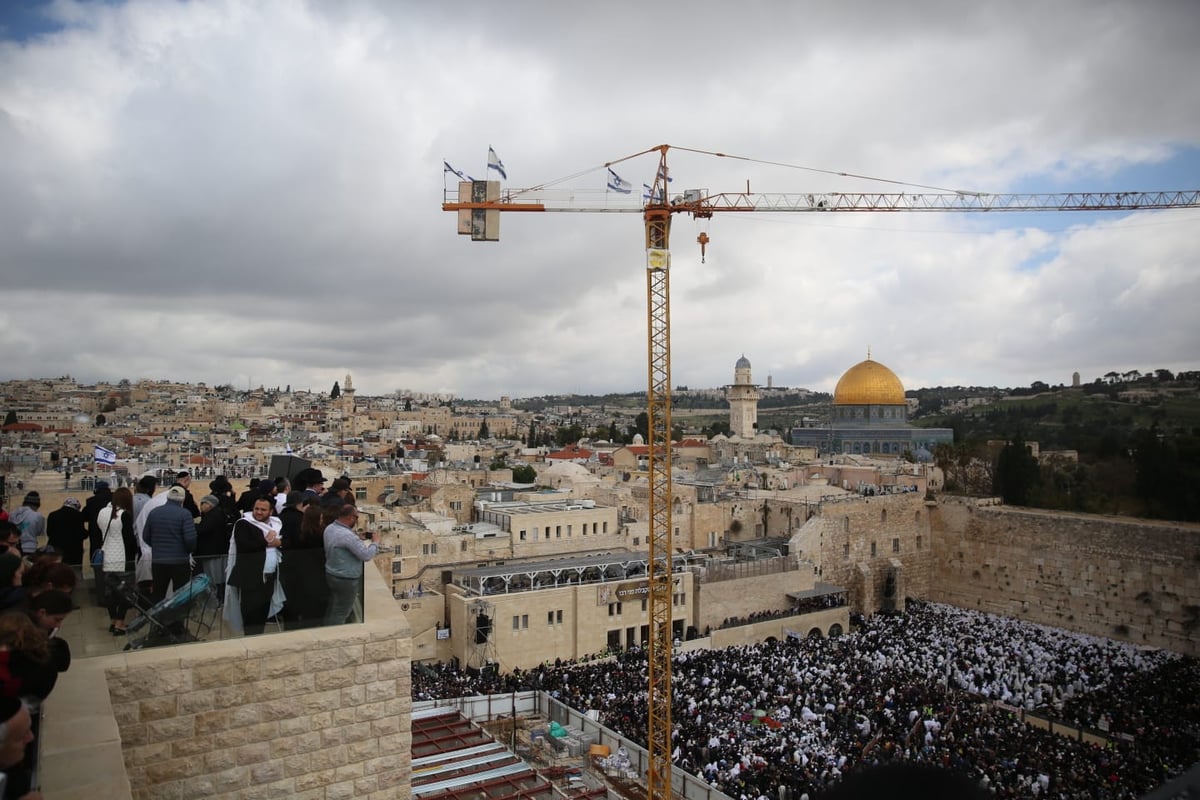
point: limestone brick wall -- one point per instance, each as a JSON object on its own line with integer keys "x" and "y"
{"x": 317, "y": 714}
{"x": 1136, "y": 580}
{"x": 738, "y": 597}
{"x": 855, "y": 541}
{"x": 823, "y": 621}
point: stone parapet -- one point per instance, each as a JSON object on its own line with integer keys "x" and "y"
{"x": 317, "y": 714}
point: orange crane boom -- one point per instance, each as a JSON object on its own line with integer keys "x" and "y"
{"x": 479, "y": 204}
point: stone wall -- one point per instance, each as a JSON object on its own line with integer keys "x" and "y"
{"x": 717, "y": 601}
{"x": 1129, "y": 579}
{"x": 857, "y": 541}
{"x": 316, "y": 714}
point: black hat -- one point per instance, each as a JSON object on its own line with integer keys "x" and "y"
{"x": 308, "y": 476}
{"x": 296, "y": 497}
{"x": 32, "y": 499}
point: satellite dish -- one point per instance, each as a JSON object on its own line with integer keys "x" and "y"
{"x": 391, "y": 499}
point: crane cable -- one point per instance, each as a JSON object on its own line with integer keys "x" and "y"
{"x": 748, "y": 159}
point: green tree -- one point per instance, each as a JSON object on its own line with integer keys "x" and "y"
{"x": 484, "y": 433}
{"x": 335, "y": 392}
{"x": 1017, "y": 474}
{"x": 568, "y": 434}
{"x": 524, "y": 474}
{"x": 642, "y": 425}
{"x": 10, "y": 418}
{"x": 613, "y": 434}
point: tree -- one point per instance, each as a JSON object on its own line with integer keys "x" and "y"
{"x": 484, "y": 433}
{"x": 335, "y": 392}
{"x": 613, "y": 434}
{"x": 10, "y": 418}
{"x": 498, "y": 462}
{"x": 100, "y": 420}
{"x": 524, "y": 474}
{"x": 568, "y": 434}
{"x": 642, "y": 425}
{"x": 408, "y": 404}
{"x": 1017, "y": 473}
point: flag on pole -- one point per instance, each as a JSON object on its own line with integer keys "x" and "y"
{"x": 662, "y": 174}
{"x": 453, "y": 170}
{"x": 618, "y": 184}
{"x": 648, "y": 194}
{"x": 103, "y": 456}
{"x": 495, "y": 163}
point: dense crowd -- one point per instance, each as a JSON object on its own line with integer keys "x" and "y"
{"x": 935, "y": 685}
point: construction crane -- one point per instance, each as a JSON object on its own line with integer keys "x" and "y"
{"x": 479, "y": 204}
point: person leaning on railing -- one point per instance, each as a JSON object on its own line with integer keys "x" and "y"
{"x": 345, "y": 553}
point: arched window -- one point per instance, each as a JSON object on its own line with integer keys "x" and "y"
{"x": 845, "y": 524}
{"x": 815, "y": 633}
{"x": 883, "y": 515}
{"x": 835, "y": 630}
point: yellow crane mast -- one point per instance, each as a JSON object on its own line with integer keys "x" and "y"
{"x": 479, "y": 204}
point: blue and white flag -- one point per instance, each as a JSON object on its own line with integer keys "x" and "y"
{"x": 495, "y": 163}
{"x": 449, "y": 168}
{"x": 662, "y": 174}
{"x": 648, "y": 194}
{"x": 103, "y": 456}
{"x": 618, "y": 184}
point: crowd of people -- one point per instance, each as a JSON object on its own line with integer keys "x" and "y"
{"x": 35, "y": 598}
{"x": 936, "y": 685}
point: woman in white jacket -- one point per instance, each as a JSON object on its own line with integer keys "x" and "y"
{"x": 115, "y": 522}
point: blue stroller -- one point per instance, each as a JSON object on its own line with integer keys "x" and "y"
{"x": 186, "y": 616}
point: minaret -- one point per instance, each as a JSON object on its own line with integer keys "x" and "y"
{"x": 348, "y": 395}
{"x": 743, "y": 401}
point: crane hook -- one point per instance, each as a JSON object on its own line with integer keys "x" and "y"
{"x": 703, "y": 240}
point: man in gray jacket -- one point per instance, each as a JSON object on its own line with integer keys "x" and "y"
{"x": 171, "y": 534}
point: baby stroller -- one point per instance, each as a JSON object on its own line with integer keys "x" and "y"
{"x": 186, "y": 616}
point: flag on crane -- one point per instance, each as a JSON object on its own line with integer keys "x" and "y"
{"x": 649, "y": 194}
{"x": 618, "y": 184}
{"x": 102, "y": 455}
{"x": 495, "y": 163}
{"x": 661, "y": 178}
{"x": 449, "y": 168}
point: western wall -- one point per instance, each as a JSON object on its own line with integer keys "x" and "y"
{"x": 1130, "y": 579}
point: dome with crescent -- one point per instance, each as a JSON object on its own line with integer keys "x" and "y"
{"x": 869, "y": 383}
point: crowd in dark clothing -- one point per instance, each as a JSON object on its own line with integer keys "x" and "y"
{"x": 935, "y": 685}
{"x": 805, "y": 605}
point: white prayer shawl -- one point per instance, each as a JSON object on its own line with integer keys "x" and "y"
{"x": 233, "y": 605}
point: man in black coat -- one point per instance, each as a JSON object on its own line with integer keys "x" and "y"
{"x": 250, "y": 575}
{"x": 99, "y": 500}
{"x": 65, "y": 532}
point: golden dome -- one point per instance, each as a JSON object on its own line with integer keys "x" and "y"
{"x": 869, "y": 383}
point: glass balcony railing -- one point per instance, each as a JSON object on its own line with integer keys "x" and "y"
{"x": 118, "y": 612}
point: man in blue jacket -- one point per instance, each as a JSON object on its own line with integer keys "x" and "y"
{"x": 171, "y": 534}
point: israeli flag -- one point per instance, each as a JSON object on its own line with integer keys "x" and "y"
{"x": 495, "y": 163}
{"x": 104, "y": 456}
{"x": 449, "y": 168}
{"x": 648, "y": 194}
{"x": 618, "y": 184}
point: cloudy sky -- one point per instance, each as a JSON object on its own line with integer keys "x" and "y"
{"x": 250, "y": 192}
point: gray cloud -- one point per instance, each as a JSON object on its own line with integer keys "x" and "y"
{"x": 241, "y": 193}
